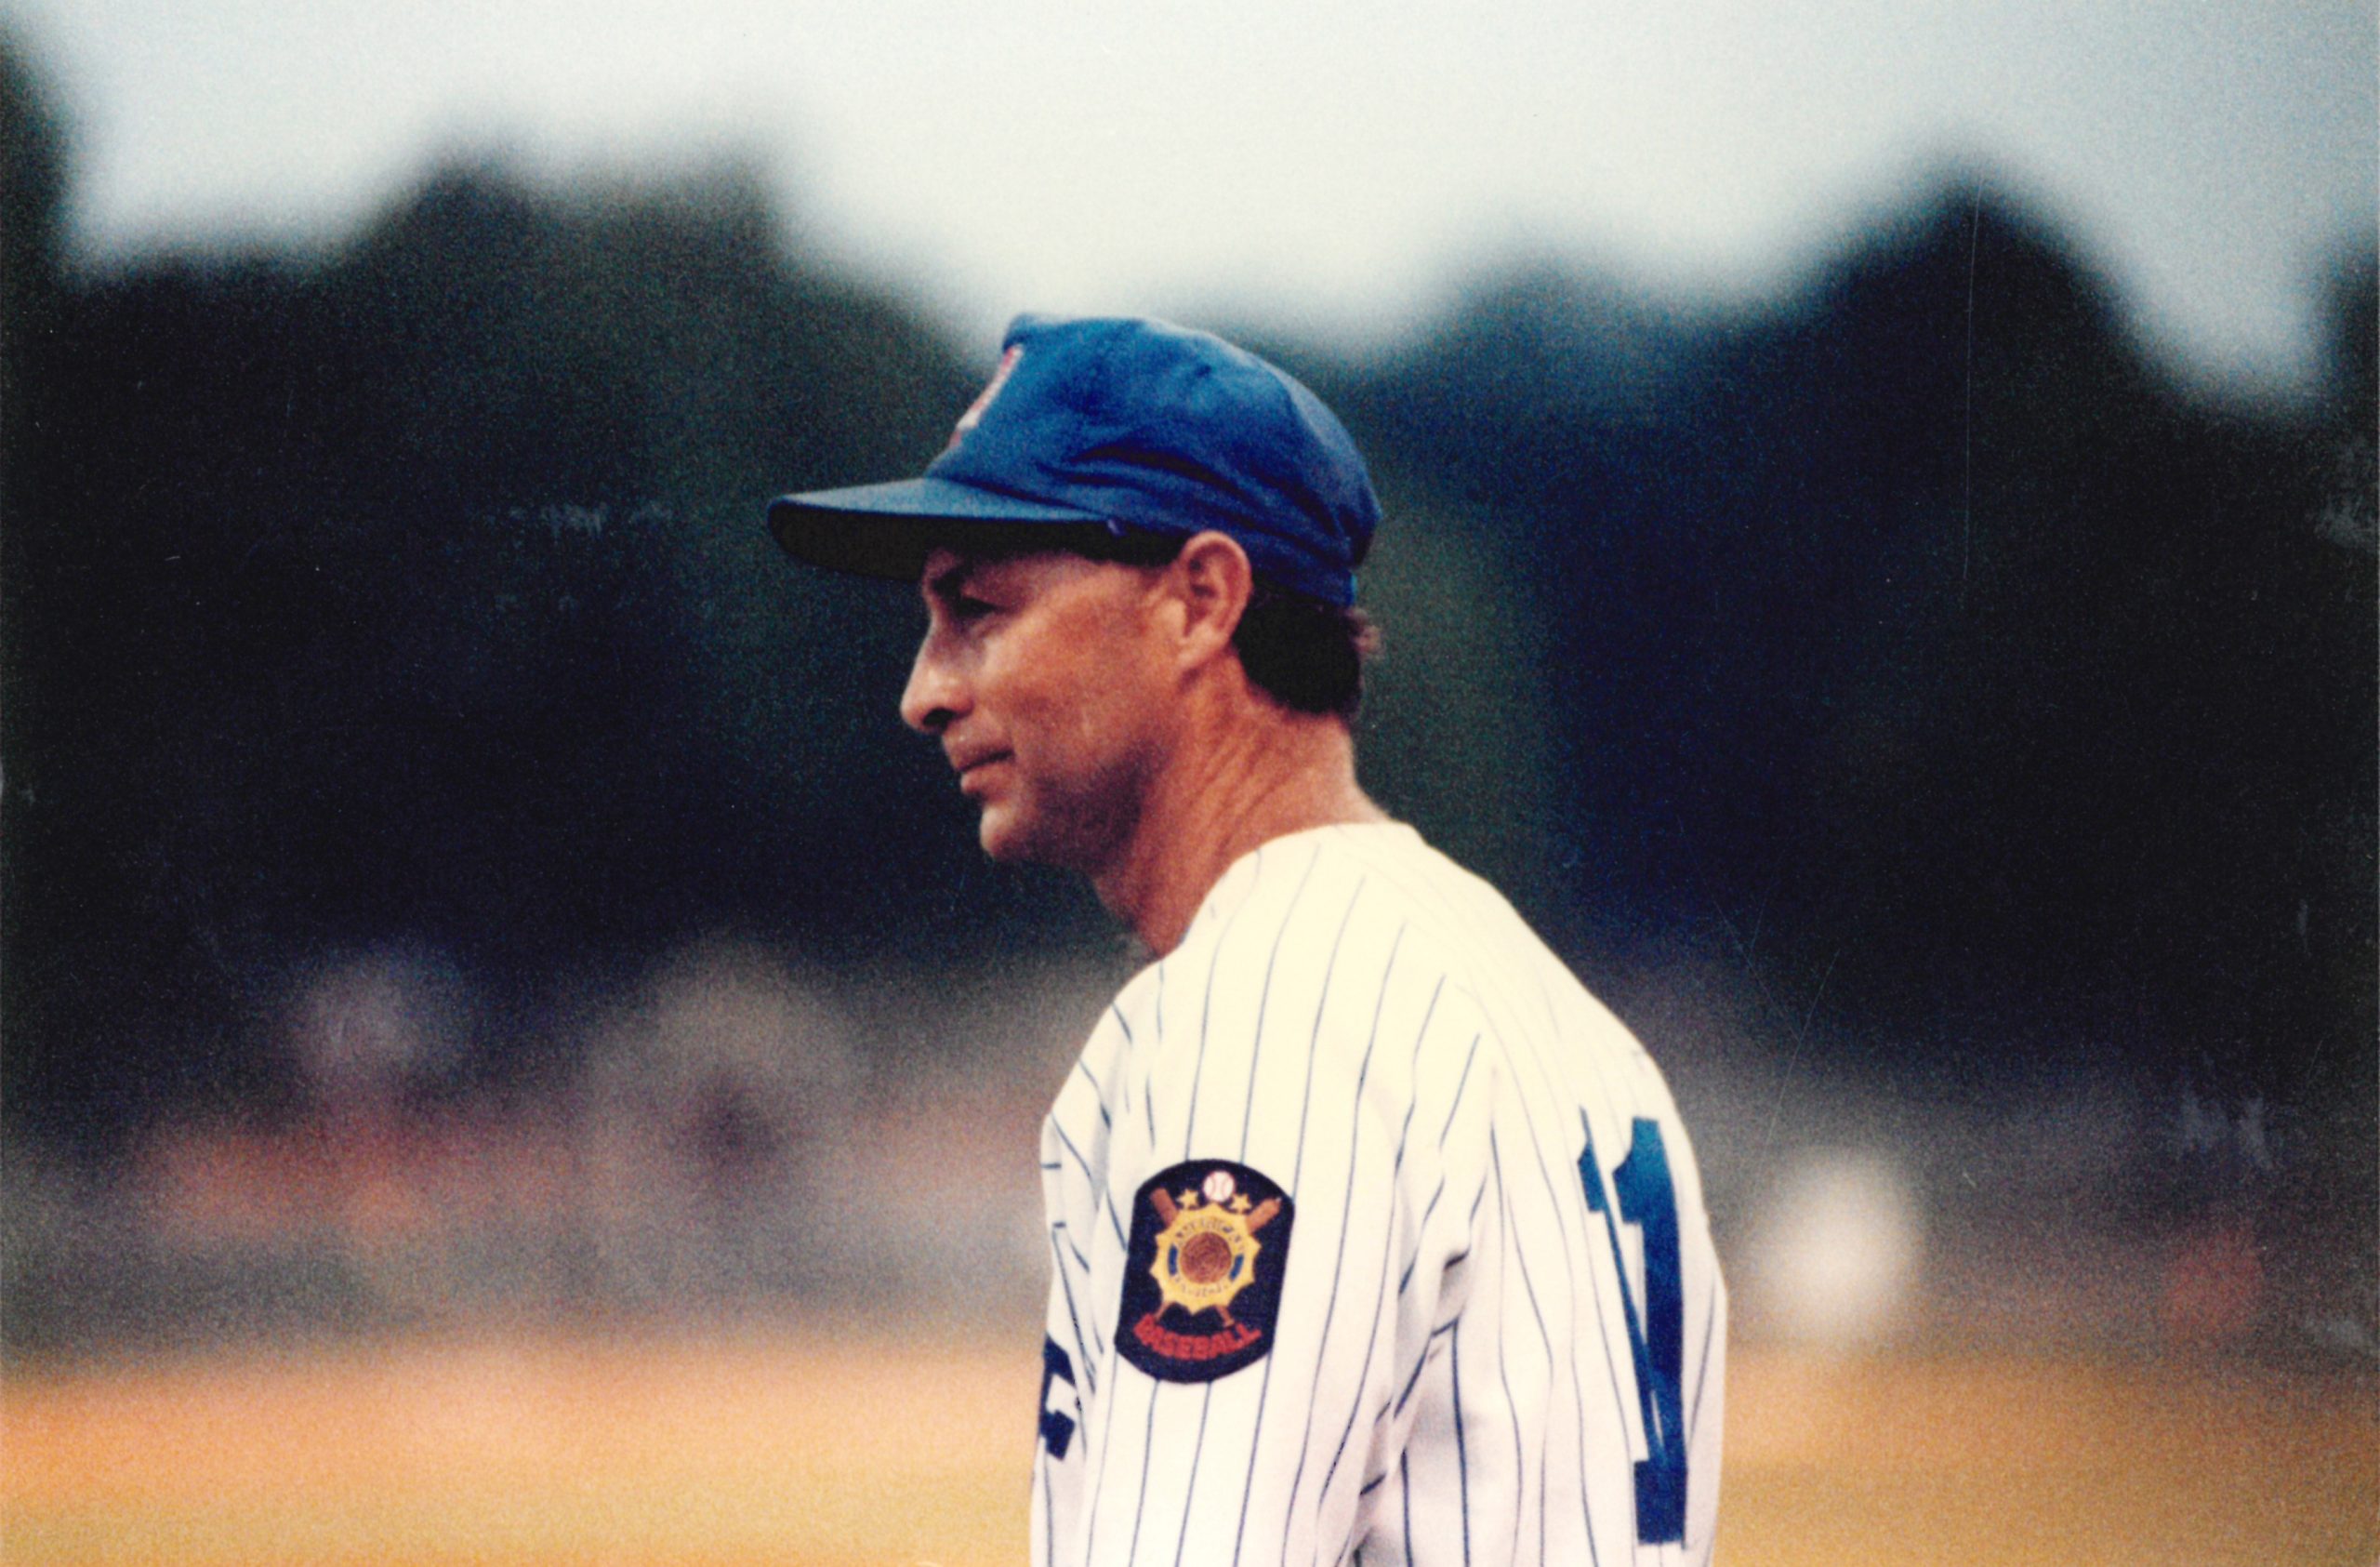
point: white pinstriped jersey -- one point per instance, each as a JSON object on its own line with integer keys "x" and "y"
{"x": 1498, "y": 1329}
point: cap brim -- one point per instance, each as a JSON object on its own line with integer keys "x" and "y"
{"x": 888, "y": 530}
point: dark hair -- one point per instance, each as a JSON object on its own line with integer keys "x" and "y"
{"x": 1305, "y": 653}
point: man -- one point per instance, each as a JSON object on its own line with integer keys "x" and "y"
{"x": 1374, "y": 1236}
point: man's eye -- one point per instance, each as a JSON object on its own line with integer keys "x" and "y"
{"x": 966, "y": 606}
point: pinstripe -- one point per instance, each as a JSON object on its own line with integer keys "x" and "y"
{"x": 1049, "y": 1510}
{"x": 1421, "y": 1228}
{"x": 1414, "y": 1380}
{"x": 1314, "y": 1041}
{"x": 1529, "y": 1286}
{"x": 1701, "y": 1370}
{"x": 1148, "y": 1085}
{"x": 1140, "y": 1502}
{"x": 1379, "y": 1289}
{"x": 1190, "y": 1489}
{"x": 1090, "y": 1375}
{"x": 1413, "y": 1072}
{"x": 1420, "y": 1231}
{"x": 1362, "y": 1378}
{"x": 1115, "y": 1219}
{"x": 1107, "y": 1448}
{"x": 1199, "y": 1070}
{"x": 1561, "y": 1212}
{"x": 1412, "y": 1103}
{"x": 1100, "y": 1095}
{"x": 1702, "y": 1365}
{"x": 1503, "y": 1372}
{"x": 1346, "y": 1206}
{"x": 1264, "y": 1004}
{"x": 1603, "y": 1333}
{"x": 1206, "y": 1008}
{"x": 1462, "y": 1449}
{"x": 1059, "y": 1127}
{"x": 1305, "y": 1108}
{"x": 1407, "y": 1277}
{"x": 1405, "y": 1487}
{"x": 1467, "y": 1063}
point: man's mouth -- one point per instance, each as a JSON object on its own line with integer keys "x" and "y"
{"x": 973, "y": 767}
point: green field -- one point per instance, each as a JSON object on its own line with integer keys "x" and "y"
{"x": 787, "y": 1446}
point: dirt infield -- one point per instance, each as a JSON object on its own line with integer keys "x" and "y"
{"x": 802, "y": 1447}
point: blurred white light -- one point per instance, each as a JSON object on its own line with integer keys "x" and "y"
{"x": 365, "y": 1026}
{"x": 1844, "y": 1234}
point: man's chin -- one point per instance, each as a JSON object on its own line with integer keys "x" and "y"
{"x": 998, "y": 834}
{"x": 1008, "y": 837}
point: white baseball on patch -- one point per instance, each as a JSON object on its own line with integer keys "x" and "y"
{"x": 1218, "y": 1186}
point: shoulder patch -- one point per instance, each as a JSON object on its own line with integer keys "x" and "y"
{"x": 1202, "y": 1276}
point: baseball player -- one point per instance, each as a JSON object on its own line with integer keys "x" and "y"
{"x": 1373, "y": 1237}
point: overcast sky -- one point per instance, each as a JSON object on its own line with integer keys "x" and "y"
{"x": 1315, "y": 163}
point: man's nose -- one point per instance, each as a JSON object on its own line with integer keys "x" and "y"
{"x": 934, "y": 696}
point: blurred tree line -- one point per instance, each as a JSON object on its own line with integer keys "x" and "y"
{"x": 1911, "y": 642}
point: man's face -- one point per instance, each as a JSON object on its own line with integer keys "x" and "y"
{"x": 1044, "y": 679}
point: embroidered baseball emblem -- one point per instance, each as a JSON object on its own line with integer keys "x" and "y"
{"x": 974, "y": 413}
{"x": 1202, "y": 1281}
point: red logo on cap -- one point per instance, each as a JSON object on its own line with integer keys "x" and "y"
{"x": 974, "y": 413}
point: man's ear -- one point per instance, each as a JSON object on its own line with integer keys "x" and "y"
{"x": 1212, "y": 581}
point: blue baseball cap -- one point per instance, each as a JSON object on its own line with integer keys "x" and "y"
{"x": 1133, "y": 426}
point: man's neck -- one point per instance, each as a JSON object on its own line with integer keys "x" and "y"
{"x": 1221, "y": 801}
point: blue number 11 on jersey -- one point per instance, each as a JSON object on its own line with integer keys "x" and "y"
{"x": 1656, "y": 1331}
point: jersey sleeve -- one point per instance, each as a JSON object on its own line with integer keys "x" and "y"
{"x": 1296, "y": 1198}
